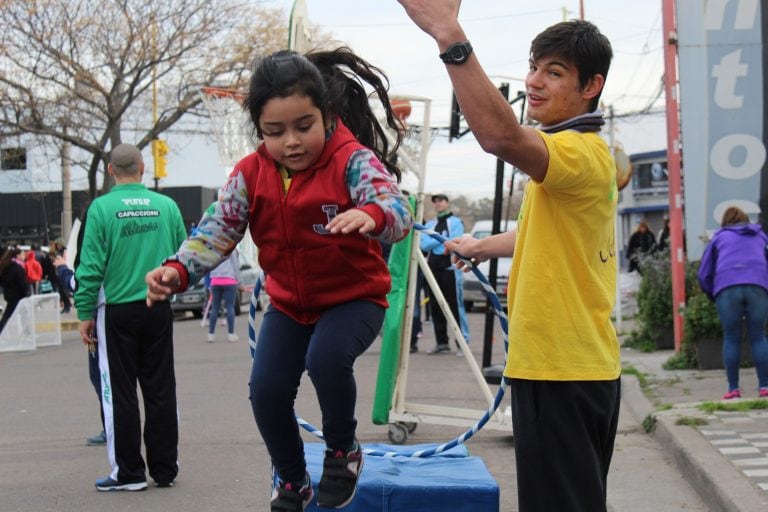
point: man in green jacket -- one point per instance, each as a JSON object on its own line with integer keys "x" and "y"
{"x": 127, "y": 233}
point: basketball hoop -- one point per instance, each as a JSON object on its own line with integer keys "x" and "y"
{"x": 231, "y": 126}
{"x": 416, "y": 138}
{"x": 401, "y": 109}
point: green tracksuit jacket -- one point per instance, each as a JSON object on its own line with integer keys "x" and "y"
{"x": 128, "y": 232}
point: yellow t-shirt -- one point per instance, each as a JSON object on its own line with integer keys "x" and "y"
{"x": 286, "y": 177}
{"x": 562, "y": 285}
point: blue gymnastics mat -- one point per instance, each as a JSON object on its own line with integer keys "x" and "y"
{"x": 452, "y": 481}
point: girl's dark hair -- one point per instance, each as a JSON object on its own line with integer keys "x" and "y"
{"x": 580, "y": 43}
{"x": 6, "y": 255}
{"x": 333, "y": 80}
{"x": 733, "y": 215}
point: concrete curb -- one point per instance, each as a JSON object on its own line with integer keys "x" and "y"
{"x": 719, "y": 483}
{"x": 70, "y": 325}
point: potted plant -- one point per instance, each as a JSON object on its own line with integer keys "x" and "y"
{"x": 703, "y": 332}
{"x": 703, "y": 338}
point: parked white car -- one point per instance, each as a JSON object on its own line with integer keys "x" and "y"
{"x": 473, "y": 290}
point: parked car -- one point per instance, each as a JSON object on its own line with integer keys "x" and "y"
{"x": 249, "y": 275}
{"x": 473, "y": 290}
{"x": 195, "y": 298}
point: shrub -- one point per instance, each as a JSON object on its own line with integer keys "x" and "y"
{"x": 654, "y": 297}
{"x": 700, "y": 319}
{"x": 654, "y": 300}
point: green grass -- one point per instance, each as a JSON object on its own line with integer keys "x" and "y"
{"x": 641, "y": 377}
{"x": 741, "y": 406}
{"x": 649, "y": 424}
{"x": 676, "y": 362}
{"x": 691, "y": 421}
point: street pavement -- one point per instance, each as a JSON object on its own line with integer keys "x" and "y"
{"x": 725, "y": 458}
{"x": 48, "y": 408}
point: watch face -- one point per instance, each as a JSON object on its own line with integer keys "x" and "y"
{"x": 457, "y": 53}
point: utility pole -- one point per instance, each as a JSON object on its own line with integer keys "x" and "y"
{"x": 154, "y": 101}
{"x": 66, "y": 192}
{"x": 674, "y": 167}
{"x": 581, "y": 11}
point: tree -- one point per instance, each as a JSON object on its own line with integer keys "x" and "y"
{"x": 82, "y": 71}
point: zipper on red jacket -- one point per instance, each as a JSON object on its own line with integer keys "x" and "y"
{"x": 291, "y": 247}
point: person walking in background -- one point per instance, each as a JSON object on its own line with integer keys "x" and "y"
{"x": 66, "y": 278}
{"x": 641, "y": 244}
{"x": 317, "y": 199}
{"x": 125, "y": 234}
{"x": 734, "y": 273}
{"x": 449, "y": 226}
{"x": 56, "y": 250}
{"x": 33, "y": 270}
{"x": 563, "y": 365}
{"x": 13, "y": 281}
{"x": 224, "y": 282}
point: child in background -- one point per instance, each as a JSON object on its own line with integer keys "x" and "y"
{"x": 317, "y": 195}
{"x": 224, "y": 282}
{"x": 34, "y": 271}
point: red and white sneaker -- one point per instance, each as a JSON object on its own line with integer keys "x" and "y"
{"x": 763, "y": 393}
{"x": 732, "y": 394}
{"x": 292, "y": 497}
{"x": 340, "y": 474}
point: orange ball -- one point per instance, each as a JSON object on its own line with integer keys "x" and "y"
{"x": 401, "y": 108}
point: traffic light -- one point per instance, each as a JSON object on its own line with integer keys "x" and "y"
{"x": 159, "y": 150}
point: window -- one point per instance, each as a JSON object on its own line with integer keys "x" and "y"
{"x": 650, "y": 178}
{"x": 13, "y": 159}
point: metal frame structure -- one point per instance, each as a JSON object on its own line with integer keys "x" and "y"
{"x": 405, "y": 415}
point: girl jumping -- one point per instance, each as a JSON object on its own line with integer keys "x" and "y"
{"x": 318, "y": 195}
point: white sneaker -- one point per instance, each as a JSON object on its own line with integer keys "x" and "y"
{"x": 232, "y": 337}
{"x": 211, "y": 338}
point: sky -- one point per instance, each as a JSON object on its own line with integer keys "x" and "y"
{"x": 500, "y": 32}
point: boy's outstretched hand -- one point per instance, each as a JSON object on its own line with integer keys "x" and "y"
{"x": 435, "y": 17}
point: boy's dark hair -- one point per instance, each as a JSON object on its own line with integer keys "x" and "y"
{"x": 333, "y": 81}
{"x": 580, "y": 43}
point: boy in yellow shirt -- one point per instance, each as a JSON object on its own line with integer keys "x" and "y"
{"x": 563, "y": 366}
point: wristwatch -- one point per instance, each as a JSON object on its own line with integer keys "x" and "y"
{"x": 457, "y": 53}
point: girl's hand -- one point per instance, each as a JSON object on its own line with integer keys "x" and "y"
{"x": 350, "y": 221}
{"x": 161, "y": 282}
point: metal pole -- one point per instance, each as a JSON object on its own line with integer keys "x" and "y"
{"x": 154, "y": 100}
{"x": 674, "y": 167}
{"x": 493, "y": 264}
{"x": 66, "y": 193}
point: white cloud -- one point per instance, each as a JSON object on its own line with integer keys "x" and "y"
{"x": 501, "y": 32}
